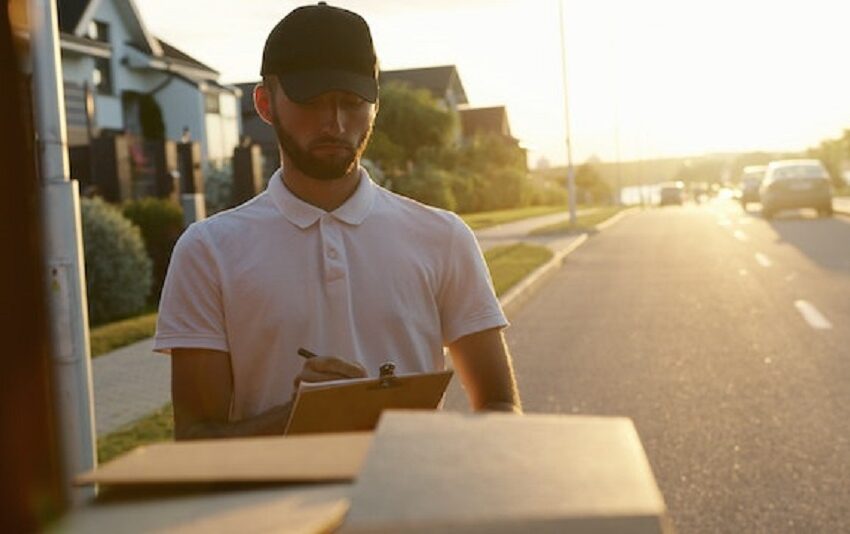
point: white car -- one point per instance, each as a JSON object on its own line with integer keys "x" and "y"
{"x": 795, "y": 184}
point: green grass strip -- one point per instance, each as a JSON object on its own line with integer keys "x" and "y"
{"x": 511, "y": 263}
{"x": 484, "y": 219}
{"x": 584, "y": 223}
{"x": 111, "y": 336}
{"x": 158, "y": 426}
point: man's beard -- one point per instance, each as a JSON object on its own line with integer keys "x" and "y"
{"x": 332, "y": 167}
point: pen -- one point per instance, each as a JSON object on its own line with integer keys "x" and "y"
{"x": 307, "y": 354}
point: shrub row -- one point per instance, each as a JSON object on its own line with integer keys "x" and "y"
{"x": 126, "y": 254}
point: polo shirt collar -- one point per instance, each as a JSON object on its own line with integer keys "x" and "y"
{"x": 353, "y": 211}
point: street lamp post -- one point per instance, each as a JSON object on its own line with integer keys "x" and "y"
{"x": 64, "y": 250}
{"x": 571, "y": 182}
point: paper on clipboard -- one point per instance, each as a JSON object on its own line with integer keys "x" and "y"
{"x": 355, "y": 405}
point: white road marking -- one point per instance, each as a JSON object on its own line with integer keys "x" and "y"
{"x": 740, "y": 236}
{"x": 763, "y": 260}
{"x": 812, "y": 316}
{"x": 743, "y": 272}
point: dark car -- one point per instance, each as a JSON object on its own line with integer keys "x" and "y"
{"x": 795, "y": 184}
{"x": 672, "y": 194}
{"x": 750, "y": 182}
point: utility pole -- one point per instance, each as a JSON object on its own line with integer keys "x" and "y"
{"x": 571, "y": 182}
{"x": 71, "y": 364}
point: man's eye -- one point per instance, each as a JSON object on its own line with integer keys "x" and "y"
{"x": 351, "y": 103}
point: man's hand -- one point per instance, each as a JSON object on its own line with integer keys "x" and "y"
{"x": 202, "y": 390}
{"x": 324, "y": 368}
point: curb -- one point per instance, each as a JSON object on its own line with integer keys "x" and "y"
{"x": 518, "y": 295}
{"x": 616, "y": 218}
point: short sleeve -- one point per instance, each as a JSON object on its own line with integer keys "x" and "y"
{"x": 191, "y": 314}
{"x": 466, "y": 299}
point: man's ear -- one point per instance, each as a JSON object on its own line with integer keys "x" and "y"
{"x": 263, "y": 102}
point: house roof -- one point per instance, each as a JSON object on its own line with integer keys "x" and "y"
{"x": 70, "y": 12}
{"x": 485, "y": 120}
{"x": 437, "y": 80}
{"x": 171, "y": 52}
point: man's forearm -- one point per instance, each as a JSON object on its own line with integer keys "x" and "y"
{"x": 269, "y": 423}
{"x": 484, "y": 365}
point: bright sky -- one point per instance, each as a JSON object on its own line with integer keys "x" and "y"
{"x": 647, "y": 78}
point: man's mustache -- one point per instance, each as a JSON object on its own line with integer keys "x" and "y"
{"x": 331, "y": 141}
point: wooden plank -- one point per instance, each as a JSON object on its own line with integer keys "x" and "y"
{"x": 320, "y": 458}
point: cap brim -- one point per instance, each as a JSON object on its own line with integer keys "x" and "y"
{"x": 302, "y": 86}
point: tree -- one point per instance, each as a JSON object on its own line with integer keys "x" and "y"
{"x": 409, "y": 121}
{"x": 590, "y": 186}
{"x": 429, "y": 185}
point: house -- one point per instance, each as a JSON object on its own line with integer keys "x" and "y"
{"x": 443, "y": 82}
{"x": 258, "y": 131}
{"x": 115, "y": 71}
{"x": 490, "y": 120}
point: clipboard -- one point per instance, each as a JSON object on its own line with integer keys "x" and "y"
{"x": 355, "y": 405}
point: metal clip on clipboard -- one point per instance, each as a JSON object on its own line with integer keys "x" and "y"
{"x": 386, "y": 376}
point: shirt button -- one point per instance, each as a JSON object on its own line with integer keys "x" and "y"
{"x": 332, "y": 254}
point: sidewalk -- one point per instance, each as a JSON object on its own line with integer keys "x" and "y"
{"x": 132, "y": 382}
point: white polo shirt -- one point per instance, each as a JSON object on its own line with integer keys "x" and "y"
{"x": 381, "y": 278}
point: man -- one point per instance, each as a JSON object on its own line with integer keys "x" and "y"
{"x": 323, "y": 259}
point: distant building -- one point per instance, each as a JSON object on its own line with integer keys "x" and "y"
{"x": 490, "y": 120}
{"x": 107, "y": 51}
{"x": 443, "y": 82}
{"x": 258, "y": 131}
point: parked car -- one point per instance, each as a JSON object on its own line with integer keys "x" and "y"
{"x": 672, "y": 193}
{"x": 751, "y": 179}
{"x": 795, "y": 184}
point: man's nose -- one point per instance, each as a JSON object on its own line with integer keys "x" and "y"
{"x": 333, "y": 118}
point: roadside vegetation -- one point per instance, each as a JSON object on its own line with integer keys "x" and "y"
{"x": 111, "y": 336}
{"x": 485, "y": 219}
{"x": 585, "y": 222}
{"x": 511, "y": 263}
{"x": 415, "y": 151}
{"x": 158, "y": 426}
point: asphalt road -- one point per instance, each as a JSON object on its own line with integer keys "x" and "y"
{"x": 726, "y": 338}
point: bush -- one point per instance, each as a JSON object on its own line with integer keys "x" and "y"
{"x": 428, "y": 185}
{"x": 118, "y": 270}
{"x": 161, "y": 223}
{"x": 218, "y": 187}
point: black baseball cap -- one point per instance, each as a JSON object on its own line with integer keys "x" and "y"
{"x": 320, "y": 48}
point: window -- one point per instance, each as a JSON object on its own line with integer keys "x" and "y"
{"x": 211, "y": 103}
{"x": 99, "y": 31}
{"x": 102, "y": 76}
